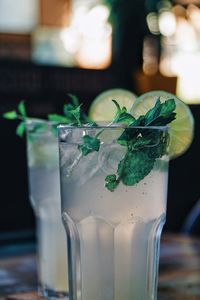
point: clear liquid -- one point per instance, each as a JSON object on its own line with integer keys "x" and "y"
{"x": 44, "y": 189}
{"x": 114, "y": 236}
{"x": 116, "y": 262}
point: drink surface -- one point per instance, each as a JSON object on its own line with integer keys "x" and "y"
{"x": 44, "y": 186}
{"x": 115, "y": 234}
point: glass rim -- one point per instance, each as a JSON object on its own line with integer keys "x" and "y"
{"x": 45, "y": 130}
{"x": 113, "y": 126}
{"x": 30, "y": 121}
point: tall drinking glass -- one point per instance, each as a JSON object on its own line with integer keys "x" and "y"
{"x": 44, "y": 189}
{"x": 113, "y": 236}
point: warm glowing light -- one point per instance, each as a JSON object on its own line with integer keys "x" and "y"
{"x": 186, "y": 63}
{"x": 152, "y": 22}
{"x": 94, "y": 53}
{"x": 70, "y": 39}
{"x": 188, "y": 87}
{"x": 185, "y": 36}
{"x": 176, "y": 49}
{"x": 193, "y": 13}
{"x": 167, "y": 23}
{"x": 95, "y": 22}
{"x": 166, "y": 65}
{"x": 150, "y": 56}
{"x": 180, "y": 55}
{"x": 89, "y": 36}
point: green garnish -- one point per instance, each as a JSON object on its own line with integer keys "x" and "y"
{"x": 72, "y": 115}
{"x": 122, "y": 116}
{"x": 143, "y": 146}
{"x": 89, "y": 145}
{"x": 20, "y": 114}
{"x": 10, "y": 115}
{"x": 22, "y": 109}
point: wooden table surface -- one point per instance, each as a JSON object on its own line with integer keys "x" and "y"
{"x": 179, "y": 276}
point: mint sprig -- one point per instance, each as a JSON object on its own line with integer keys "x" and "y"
{"x": 19, "y": 114}
{"x": 72, "y": 115}
{"x": 143, "y": 146}
{"x": 10, "y": 115}
{"x": 122, "y": 116}
{"x": 91, "y": 144}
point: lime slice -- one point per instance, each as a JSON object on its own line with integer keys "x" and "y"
{"x": 103, "y": 109}
{"x": 181, "y": 129}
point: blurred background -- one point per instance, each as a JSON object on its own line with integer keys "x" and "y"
{"x": 49, "y": 48}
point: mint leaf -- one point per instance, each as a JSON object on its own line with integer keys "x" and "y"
{"x": 22, "y": 109}
{"x": 144, "y": 145}
{"x": 125, "y": 118}
{"x": 13, "y": 115}
{"x": 111, "y": 182}
{"x": 135, "y": 166}
{"x": 128, "y": 136}
{"x": 57, "y": 118}
{"x": 10, "y": 115}
{"x": 161, "y": 114}
{"x": 77, "y": 115}
{"x": 168, "y": 107}
{"x": 89, "y": 145}
{"x": 122, "y": 116}
{"x": 139, "y": 122}
{"x": 91, "y": 123}
{"x": 21, "y": 129}
{"x": 74, "y": 99}
{"x": 72, "y": 114}
{"x": 153, "y": 113}
{"x": 118, "y": 107}
{"x": 158, "y": 146}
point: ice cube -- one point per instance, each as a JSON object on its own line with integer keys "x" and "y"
{"x": 110, "y": 156}
{"x": 87, "y": 168}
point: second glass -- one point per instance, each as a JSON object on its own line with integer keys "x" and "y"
{"x": 44, "y": 188}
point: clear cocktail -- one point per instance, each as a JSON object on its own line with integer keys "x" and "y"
{"x": 113, "y": 224}
{"x": 44, "y": 186}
